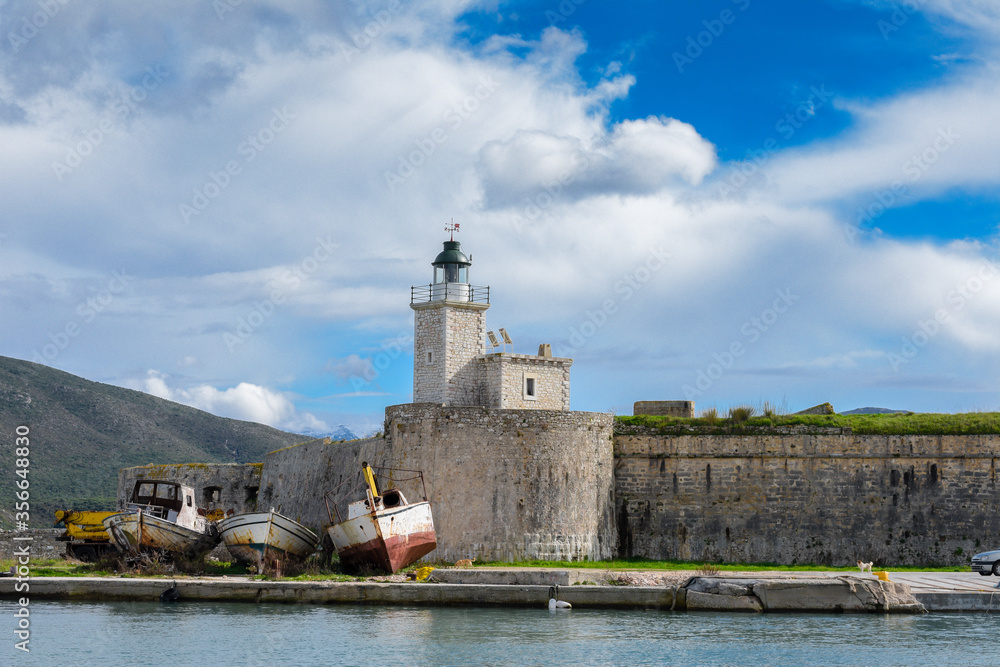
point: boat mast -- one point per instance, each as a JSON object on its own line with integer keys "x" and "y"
{"x": 369, "y": 475}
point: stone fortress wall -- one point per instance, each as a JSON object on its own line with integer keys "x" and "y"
{"x": 296, "y": 479}
{"x": 664, "y": 408}
{"x": 231, "y": 487}
{"x": 524, "y": 484}
{"x": 799, "y": 497}
{"x": 503, "y": 484}
{"x": 511, "y": 484}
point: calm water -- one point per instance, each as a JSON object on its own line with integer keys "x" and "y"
{"x": 140, "y": 633}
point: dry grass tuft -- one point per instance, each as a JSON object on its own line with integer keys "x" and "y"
{"x": 741, "y": 413}
{"x": 711, "y": 416}
{"x": 708, "y": 569}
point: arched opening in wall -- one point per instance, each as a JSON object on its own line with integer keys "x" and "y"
{"x": 251, "y": 495}
{"x": 211, "y": 494}
{"x": 934, "y": 473}
{"x": 894, "y": 478}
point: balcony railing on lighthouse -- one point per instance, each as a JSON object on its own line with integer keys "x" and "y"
{"x": 449, "y": 292}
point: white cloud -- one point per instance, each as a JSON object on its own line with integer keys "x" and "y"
{"x": 925, "y": 142}
{"x": 635, "y": 157}
{"x": 982, "y": 15}
{"x": 245, "y": 401}
{"x": 349, "y": 366}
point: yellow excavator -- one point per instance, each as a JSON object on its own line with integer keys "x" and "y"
{"x": 85, "y": 536}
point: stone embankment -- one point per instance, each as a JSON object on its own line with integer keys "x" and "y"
{"x": 842, "y": 594}
{"x": 522, "y": 588}
{"x": 43, "y": 543}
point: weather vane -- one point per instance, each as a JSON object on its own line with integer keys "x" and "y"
{"x": 452, "y": 227}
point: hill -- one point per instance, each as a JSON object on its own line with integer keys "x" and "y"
{"x": 82, "y": 432}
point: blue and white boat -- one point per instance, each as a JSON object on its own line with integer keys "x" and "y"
{"x": 257, "y": 537}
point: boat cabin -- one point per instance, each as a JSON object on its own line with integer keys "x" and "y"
{"x": 388, "y": 500}
{"x": 165, "y": 500}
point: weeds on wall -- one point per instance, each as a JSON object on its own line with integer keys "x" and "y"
{"x": 741, "y": 413}
{"x": 711, "y": 423}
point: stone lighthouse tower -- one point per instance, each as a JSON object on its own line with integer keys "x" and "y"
{"x": 449, "y": 332}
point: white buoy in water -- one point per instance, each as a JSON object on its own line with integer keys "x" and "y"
{"x": 555, "y": 602}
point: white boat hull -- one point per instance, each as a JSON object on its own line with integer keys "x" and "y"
{"x": 132, "y": 530}
{"x": 255, "y": 536}
{"x": 388, "y": 539}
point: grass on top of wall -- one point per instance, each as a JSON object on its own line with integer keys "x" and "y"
{"x": 909, "y": 423}
{"x": 641, "y": 564}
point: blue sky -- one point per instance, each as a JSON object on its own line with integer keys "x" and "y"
{"x": 730, "y": 201}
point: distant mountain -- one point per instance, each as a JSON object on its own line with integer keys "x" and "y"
{"x": 873, "y": 411}
{"x": 342, "y": 433}
{"x": 82, "y": 432}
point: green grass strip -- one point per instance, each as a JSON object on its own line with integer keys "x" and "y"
{"x": 910, "y": 423}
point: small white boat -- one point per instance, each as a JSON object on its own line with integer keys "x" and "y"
{"x": 162, "y": 515}
{"x": 256, "y": 536}
{"x": 382, "y": 531}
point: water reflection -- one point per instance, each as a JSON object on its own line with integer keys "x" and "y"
{"x": 187, "y": 633}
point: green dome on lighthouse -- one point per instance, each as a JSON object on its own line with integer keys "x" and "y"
{"x": 451, "y": 265}
{"x": 452, "y": 254}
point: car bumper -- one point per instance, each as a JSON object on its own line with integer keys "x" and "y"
{"x": 982, "y": 566}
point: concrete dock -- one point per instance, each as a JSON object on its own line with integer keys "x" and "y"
{"x": 749, "y": 591}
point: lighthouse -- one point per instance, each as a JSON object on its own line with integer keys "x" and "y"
{"x": 449, "y": 331}
{"x": 451, "y": 364}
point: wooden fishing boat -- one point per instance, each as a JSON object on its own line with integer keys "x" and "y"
{"x": 162, "y": 515}
{"x": 382, "y": 531}
{"x": 256, "y": 537}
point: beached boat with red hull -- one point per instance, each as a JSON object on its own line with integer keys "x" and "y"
{"x": 382, "y": 531}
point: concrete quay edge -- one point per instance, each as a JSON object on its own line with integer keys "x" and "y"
{"x": 325, "y": 592}
{"x": 967, "y": 602}
{"x": 527, "y": 591}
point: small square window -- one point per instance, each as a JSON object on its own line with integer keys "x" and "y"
{"x": 530, "y": 387}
